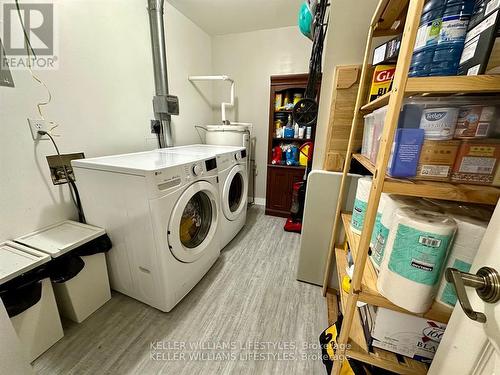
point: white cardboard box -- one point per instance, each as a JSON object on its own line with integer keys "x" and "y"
{"x": 404, "y": 334}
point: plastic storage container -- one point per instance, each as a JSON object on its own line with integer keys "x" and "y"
{"x": 427, "y": 37}
{"x": 366, "y": 146}
{"x": 78, "y": 270}
{"x": 450, "y": 44}
{"x": 27, "y": 294}
{"x": 378, "y": 126}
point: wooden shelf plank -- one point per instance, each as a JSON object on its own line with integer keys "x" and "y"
{"x": 292, "y": 139}
{"x": 441, "y": 85}
{"x": 377, "y": 103}
{"x": 357, "y": 347}
{"x": 365, "y": 162}
{"x": 356, "y": 335}
{"x": 332, "y": 305}
{"x": 392, "y": 17}
{"x": 369, "y": 292}
{"x": 286, "y": 166}
{"x": 453, "y": 85}
{"x": 434, "y": 189}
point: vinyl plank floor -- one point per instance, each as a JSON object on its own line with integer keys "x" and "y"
{"x": 248, "y": 315}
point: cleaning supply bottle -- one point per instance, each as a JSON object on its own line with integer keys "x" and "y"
{"x": 427, "y": 37}
{"x": 451, "y": 39}
{"x": 289, "y": 131}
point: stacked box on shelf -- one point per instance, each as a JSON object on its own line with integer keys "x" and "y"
{"x": 482, "y": 39}
{"x": 404, "y": 334}
{"x": 476, "y": 162}
{"x": 448, "y": 125}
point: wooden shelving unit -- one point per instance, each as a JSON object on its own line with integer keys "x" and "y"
{"x": 391, "y": 18}
{"x": 280, "y": 178}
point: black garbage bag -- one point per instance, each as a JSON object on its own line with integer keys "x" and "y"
{"x": 101, "y": 244}
{"x": 65, "y": 268}
{"x": 23, "y": 292}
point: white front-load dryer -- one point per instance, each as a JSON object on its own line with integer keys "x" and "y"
{"x": 233, "y": 186}
{"x": 232, "y": 164}
{"x": 162, "y": 213}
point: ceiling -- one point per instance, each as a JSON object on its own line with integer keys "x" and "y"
{"x": 219, "y": 17}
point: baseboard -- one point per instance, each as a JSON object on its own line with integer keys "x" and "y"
{"x": 260, "y": 201}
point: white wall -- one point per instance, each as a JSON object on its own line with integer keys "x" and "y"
{"x": 344, "y": 45}
{"x": 250, "y": 59}
{"x": 101, "y": 98}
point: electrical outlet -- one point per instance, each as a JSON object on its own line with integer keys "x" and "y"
{"x": 58, "y": 164}
{"x": 38, "y": 124}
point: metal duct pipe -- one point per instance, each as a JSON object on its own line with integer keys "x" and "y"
{"x": 162, "y": 101}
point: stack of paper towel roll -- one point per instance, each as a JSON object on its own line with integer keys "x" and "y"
{"x": 414, "y": 257}
{"x": 470, "y": 232}
{"x": 388, "y": 205}
{"x": 360, "y": 204}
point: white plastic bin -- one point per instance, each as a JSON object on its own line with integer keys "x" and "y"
{"x": 35, "y": 320}
{"x": 77, "y": 296}
{"x": 366, "y": 146}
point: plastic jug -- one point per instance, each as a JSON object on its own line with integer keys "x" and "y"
{"x": 305, "y": 153}
{"x": 427, "y": 38}
{"x": 292, "y": 157}
{"x": 451, "y": 39}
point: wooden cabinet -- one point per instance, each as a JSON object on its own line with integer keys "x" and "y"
{"x": 280, "y": 178}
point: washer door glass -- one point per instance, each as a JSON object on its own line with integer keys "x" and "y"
{"x": 193, "y": 222}
{"x": 235, "y": 192}
{"x": 196, "y": 220}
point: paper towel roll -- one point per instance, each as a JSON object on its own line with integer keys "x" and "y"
{"x": 469, "y": 234}
{"x": 391, "y": 204}
{"x": 360, "y": 204}
{"x": 384, "y": 199}
{"x": 415, "y": 254}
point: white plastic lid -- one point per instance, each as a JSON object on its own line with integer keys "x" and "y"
{"x": 227, "y": 128}
{"x": 60, "y": 238}
{"x": 16, "y": 259}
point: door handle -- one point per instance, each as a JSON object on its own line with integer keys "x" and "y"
{"x": 486, "y": 282}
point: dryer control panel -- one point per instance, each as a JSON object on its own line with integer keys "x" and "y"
{"x": 228, "y": 160}
{"x": 180, "y": 175}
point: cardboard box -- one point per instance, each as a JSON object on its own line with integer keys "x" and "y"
{"x": 493, "y": 66}
{"x": 405, "y": 152}
{"x": 400, "y": 333}
{"x": 382, "y": 80}
{"x": 476, "y": 162}
{"x": 388, "y": 52}
{"x": 436, "y": 160}
{"x": 480, "y": 39}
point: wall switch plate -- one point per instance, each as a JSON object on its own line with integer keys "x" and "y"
{"x": 58, "y": 163}
{"x": 39, "y": 124}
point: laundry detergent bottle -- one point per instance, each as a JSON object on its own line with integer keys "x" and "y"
{"x": 427, "y": 37}
{"x": 451, "y": 39}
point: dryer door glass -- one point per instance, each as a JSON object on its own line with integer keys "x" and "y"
{"x": 235, "y": 192}
{"x": 196, "y": 220}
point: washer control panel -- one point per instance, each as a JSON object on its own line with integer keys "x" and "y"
{"x": 197, "y": 170}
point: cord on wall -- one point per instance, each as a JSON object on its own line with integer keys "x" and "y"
{"x": 30, "y": 51}
{"x": 71, "y": 183}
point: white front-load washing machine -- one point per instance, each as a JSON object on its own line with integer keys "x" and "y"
{"x": 232, "y": 165}
{"x": 161, "y": 212}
